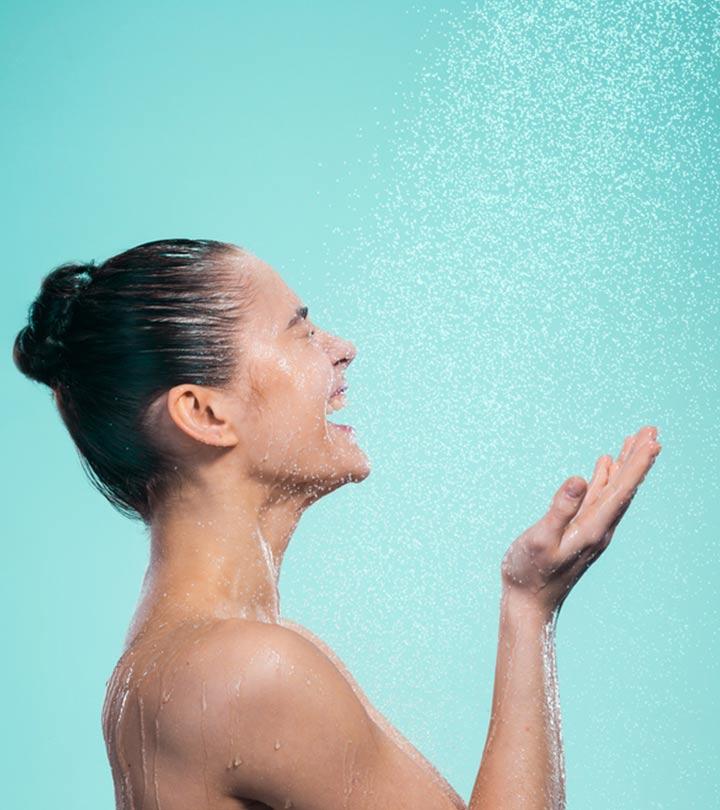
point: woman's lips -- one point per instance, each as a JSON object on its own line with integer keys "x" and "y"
{"x": 336, "y": 402}
{"x": 346, "y": 428}
{"x": 339, "y": 390}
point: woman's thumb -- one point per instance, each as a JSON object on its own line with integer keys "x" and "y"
{"x": 565, "y": 504}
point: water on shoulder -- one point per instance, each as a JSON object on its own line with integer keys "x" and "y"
{"x": 153, "y": 722}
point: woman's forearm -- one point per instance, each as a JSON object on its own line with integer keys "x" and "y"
{"x": 522, "y": 764}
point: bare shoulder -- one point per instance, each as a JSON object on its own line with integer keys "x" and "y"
{"x": 331, "y": 655}
{"x": 253, "y": 664}
{"x": 257, "y": 655}
{"x": 281, "y": 724}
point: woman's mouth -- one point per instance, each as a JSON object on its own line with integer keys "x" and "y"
{"x": 347, "y": 428}
{"x": 337, "y": 402}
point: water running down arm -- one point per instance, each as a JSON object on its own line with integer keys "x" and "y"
{"x": 522, "y": 765}
{"x": 522, "y": 762}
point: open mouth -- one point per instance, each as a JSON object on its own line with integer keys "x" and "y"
{"x": 337, "y": 401}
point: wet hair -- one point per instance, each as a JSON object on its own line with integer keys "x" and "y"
{"x": 109, "y": 338}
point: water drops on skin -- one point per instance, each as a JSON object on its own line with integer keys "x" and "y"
{"x": 204, "y": 742}
{"x": 552, "y": 702}
{"x": 236, "y": 763}
{"x": 143, "y": 746}
{"x": 348, "y": 771}
{"x": 277, "y": 745}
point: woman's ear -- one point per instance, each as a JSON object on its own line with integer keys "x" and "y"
{"x": 200, "y": 413}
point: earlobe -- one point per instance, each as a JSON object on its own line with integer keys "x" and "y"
{"x": 196, "y": 411}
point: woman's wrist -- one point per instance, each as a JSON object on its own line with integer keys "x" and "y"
{"x": 525, "y": 608}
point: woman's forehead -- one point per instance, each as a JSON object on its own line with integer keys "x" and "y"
{"x": 273, "y": 297}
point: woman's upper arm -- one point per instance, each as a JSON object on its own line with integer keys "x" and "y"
{"x": 296, "y": 735}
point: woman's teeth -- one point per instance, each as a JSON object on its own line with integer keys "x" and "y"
{"x": 336, "y": 403}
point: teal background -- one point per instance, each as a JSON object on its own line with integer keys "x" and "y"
{"x": 511, "y": 209}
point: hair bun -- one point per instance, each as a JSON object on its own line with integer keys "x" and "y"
{"x": 39, "y": 350}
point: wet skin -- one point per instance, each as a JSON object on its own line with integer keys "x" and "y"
{"x": 220, "y": 702}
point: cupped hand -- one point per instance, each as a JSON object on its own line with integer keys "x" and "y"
{"x": 544, "y": 563}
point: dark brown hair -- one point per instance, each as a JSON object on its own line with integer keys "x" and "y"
{"x": 109, "y": 338}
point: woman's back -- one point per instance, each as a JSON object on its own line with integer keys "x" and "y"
{"x": 153, "y": 724}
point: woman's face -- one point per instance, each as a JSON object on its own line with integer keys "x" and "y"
{"x": 290, "y": 370}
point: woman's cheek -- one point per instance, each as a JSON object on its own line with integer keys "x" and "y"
{"x": 284, "y": 366}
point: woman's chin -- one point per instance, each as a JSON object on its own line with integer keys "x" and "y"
{"x": 350, "y": 461}
{"x": 347, "y": 471}
{"x": 361, "y": 472}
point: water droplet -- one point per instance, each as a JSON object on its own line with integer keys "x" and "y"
{"x": 277, "y": 744}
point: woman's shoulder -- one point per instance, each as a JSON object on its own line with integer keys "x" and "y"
{"x": 221, "y": 653}
{"x": 211, "y": 670}
{"x": 261, "y": 653}
{"x": 244, "y": 641}
{"x": 241, "y": 679}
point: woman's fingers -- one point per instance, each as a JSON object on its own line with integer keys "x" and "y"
{"x": 605, "y": 470}
{"x": 625, "y": 452}
{"x": 645, "y": 442}
{"x": 633, "y": 472}
{"x": 597, "y": 524}
{"x": 598, "y": 481}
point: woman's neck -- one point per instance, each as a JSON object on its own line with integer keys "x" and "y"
{"x": 216, "y": 553}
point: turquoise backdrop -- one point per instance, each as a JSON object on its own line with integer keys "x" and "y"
{"x": 511, "y": 209}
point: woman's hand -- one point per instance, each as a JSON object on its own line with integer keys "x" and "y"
{"x": 544, "y": 563}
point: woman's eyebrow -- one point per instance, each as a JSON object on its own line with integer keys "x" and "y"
{"x": 300, "y": 312}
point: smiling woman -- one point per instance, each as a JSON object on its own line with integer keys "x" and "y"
{"x": 197, "y": 392}
{"x": 111, "y": 340}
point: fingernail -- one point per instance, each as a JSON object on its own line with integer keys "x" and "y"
{"x": 573, "y": 490}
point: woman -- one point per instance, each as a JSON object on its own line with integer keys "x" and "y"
{"x": 198, "y": 390}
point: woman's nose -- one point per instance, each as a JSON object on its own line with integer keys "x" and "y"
{"x": 343, "y": 351}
